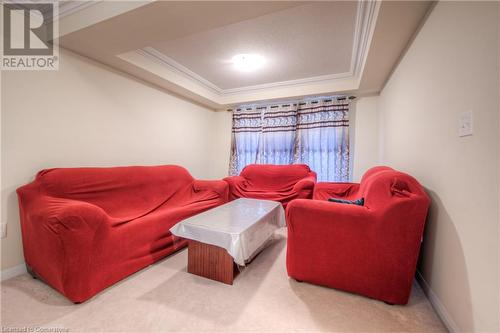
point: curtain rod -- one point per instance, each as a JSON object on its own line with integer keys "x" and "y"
{"x": 285, "y": 104}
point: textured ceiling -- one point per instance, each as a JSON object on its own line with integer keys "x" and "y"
{"x": 305, "y": 41}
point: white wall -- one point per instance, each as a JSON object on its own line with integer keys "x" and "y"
{"x": 498, "y": 89}
{"x": 364, "y": 119}
{"x": 86, "y": 115}
{"x": 452, "y": 67}
{"x": 221, "y": 144}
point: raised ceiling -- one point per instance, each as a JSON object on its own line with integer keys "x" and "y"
{"x": 304, "y": 41}
{"x": 310, "y": 47}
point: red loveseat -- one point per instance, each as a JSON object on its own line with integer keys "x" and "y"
{"x": 370, "y": 250}
{"x": 84, "y": 229}
{"x": 281, "y": 183}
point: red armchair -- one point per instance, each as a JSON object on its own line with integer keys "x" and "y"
{"x": 84, "y": 229}
{"x": 370, "y": 250}
{"x": 281, "y": 183}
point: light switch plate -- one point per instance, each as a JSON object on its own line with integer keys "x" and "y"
{"x": 465, "y": 124}
{"x": 3, "y": 231}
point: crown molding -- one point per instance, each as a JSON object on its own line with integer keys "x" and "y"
{"x": 155, "y": 55}
{"x": 70, "y": 7}
{"x": 366, "y": 17}
{"x": 77, "y": 15}
{"x": 298, "y": 82}
{"x": 63, "y": 8}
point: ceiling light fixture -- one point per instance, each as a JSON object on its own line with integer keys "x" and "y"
{"x": 248, "y": 62}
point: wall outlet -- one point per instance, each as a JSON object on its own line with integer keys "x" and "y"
{"x": 465, "y": 124}
{"x": 3, "y": 231}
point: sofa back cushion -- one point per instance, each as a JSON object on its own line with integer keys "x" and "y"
{"x": 385, "y": 187}
{"x": 373, "y": 171}
{"x": 122, "y": 192}
{"x": 274, "y": 177}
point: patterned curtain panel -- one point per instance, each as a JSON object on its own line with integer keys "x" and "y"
{"x": 279, "y": 124}
{"x": 246, "y": 134}
{"x": 322, "y": 138}
{"x": 314, "y": 132}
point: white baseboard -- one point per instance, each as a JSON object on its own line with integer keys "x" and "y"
{"x": 13, "y": 271}
{"x": 437, "y": 305}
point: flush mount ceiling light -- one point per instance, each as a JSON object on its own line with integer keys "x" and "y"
{"x": 248, "y": 62}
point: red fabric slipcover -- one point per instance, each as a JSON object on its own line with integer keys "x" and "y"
{"x": 84, "y": 229}
{"x": 371, "y": 250}
{"x": 281, "y": 183}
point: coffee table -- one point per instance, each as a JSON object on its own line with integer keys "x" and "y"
{"x": 228, "y": 236}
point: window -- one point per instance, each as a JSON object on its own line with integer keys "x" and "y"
{"x": 313, "y": 132}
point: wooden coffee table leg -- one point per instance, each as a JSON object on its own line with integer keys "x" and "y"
{"x": 211, "y": 261}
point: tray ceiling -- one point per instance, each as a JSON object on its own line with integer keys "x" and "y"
{"x": 304, "y": 41}
{"x": 309, "y": 47}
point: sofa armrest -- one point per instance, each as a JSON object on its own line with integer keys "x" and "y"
{"x": 305, "y": 184}
{"x": 59, "y": 237}
{"x": 235, "y": 180}
{"x": 218, "y": 186}
{"x": 48, "y": 209}
{"x": 324, "y": 190}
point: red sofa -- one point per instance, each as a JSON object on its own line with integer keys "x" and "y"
{"x": 84, "y": 229}
{"x": 370, "y": 250}
{"x": 281, "y": 183}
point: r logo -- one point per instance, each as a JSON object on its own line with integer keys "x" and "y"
{"x": 28, "y": 29}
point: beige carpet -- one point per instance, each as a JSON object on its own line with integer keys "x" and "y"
{"x": 164, "y": 297}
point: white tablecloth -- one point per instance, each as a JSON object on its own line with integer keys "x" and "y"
{"x": 242, "y": 226}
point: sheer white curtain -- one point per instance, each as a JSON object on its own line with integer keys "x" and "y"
{"x": 314, "y": 132}
{"x": 279, "y": 124}
{"x": 322, "y": 138}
